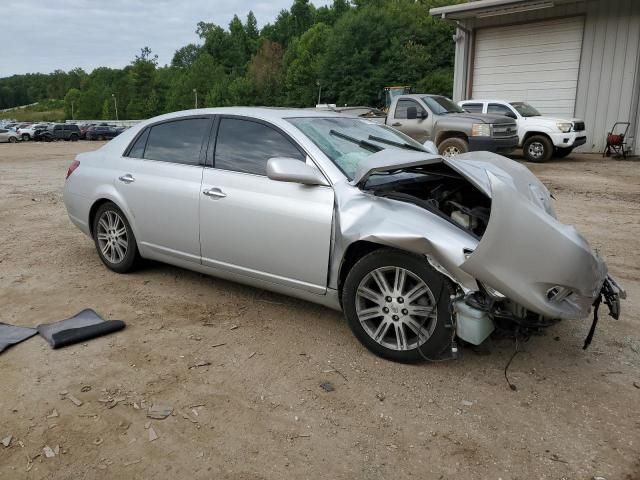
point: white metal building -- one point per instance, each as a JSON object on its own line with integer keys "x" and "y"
{"x": 570, "y": 58}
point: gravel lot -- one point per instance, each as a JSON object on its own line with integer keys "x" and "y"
{"x": 242, "y": 368}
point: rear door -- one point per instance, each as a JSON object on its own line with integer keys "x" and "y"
{"x": 251, "y": 225}
{"x": 160, "y": 178}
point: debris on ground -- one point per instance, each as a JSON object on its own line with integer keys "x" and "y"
{"x": 636, "y": 384}
{"x": 48, "y": 452}
{"x": 251, "y": 354}
{"x": 380, "y": 396}
{"x": 132, "y": 462}
{"x": 98, "y": 441}
{"x": 85, "y": 388}
{"x": 466, "y": 403}
{"x": 53, "y": 414}
{"x": 218, "y": 345}
{"x": 327, "y": 387}
{"x": 6, "y": 441}
{"x": 200, "y": 364}
{"x": 77, "y": 402}
{"x": 152, "y": 434}
{"x": 159, "y": 411}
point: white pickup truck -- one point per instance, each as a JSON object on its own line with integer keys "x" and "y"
{"x": 539, "y": 137}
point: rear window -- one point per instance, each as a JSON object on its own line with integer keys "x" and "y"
{"x": 179, "y": 141}
{"x": 472, "y": 107}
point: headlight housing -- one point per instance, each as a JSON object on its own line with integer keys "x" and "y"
{"x": 564, "y": 127}
{"x": 481, "y": 130}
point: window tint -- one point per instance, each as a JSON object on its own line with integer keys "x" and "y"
{"x": 137, "y": 150}
{"x": 401, "y": 108}
{"x": 177, "y": 142}
{"x": 246, "y": 146}
{"x": 2, "y": 130}
{"x": 472, "y": 107}
{"x": 499, "y": 109}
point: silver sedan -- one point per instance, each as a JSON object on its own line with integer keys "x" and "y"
{"x": 415, "y": 249}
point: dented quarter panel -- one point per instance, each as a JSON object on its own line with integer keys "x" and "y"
{"x": 362, "y": 216}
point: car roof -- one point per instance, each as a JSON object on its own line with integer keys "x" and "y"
{"x": 264, "y": 113}
{"x": 495, "y": 100}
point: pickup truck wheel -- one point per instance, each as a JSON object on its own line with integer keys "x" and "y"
{"x": 452, "y": 147}
{"x": 562, "y": 152}
{"x": 25, "y": 137}
{"x": 74, "y": 138}
{"x": 398, "y": 306}
{"x": 537, "y": 149}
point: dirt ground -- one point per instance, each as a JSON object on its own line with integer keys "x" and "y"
{"x": 242, "y": 368}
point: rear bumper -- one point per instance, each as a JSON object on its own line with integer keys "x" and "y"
{"x": 491, "y": 144}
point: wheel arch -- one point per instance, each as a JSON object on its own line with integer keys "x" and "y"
{"x": 535, "y": 133}
{"x": 352, "y": 254}
{"x": 442, "y": 136}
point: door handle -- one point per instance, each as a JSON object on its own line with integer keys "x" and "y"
{"x": 127, "y": 178}
{"x": 397, "y": 124}
{"x": 214, "y": 192}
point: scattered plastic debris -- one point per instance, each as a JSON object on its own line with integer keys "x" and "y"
{"x": 48, "y": 452}
{"x": 152, "y": 434}
{"x": 159, "y": 411}
{"x": 327, "y": 387}
{"x": 74, "y": 400}
{"x": 6, "y": 441}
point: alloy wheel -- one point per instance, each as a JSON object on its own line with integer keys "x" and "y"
{"x": 451, "y": 151}
{"x": 536, "y": 150}
{"x": 396, "y": 308}
{"x": 113, "y": 240}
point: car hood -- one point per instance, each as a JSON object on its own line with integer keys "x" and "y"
{"x": 525, "y": 252}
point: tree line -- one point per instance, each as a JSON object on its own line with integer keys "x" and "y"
{"x": 345, "y": 52}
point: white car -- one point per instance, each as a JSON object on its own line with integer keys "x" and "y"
{"x": 539, "y": 137}
{"x": 27, "y": 133}
{"x": 8, "y": 135}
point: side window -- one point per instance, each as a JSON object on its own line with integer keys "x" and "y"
{"x": 500, "y": 110}
{"x": 178, "y": 142}
{"x": 137, "y": 150}
{"x": 401, "y": 108}
{"x": 472, "y": 107}
{"x": 2, "y": 130}
{"x": 246, "y": 146}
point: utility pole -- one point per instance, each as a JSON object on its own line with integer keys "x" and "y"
{"x": 195, "y": 92}
{"x": 319, "y": 90}
{"x": 115, "y": 103}
{"x": 72, "y": 115}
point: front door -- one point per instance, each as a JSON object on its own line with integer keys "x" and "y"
{"x": 417, "y": 128}
{"x": 251, "y": 225}
{"x": 159, "y": 179}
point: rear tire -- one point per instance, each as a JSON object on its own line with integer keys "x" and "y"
{"x": 74, "y": 138}
{"x": 25, "y": 137}
{"x": 13, "y": 139}
{"x": 453, "y": 146}
{"x": 388, "y": 299}
{"x": 562, "y": 152}
{"x": 537, "y": 148}
{"x": 114, "y": 239}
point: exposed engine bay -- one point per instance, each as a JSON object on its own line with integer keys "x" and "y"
{"x": 439, "y": 189}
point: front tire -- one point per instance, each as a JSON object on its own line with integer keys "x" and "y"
{"x": 453, "y": 146}
{"x": 25, "y": 137}
{"x": 537, "y": 148}
{"x": 114, "y": 240}
{"x": 398, "y": 306}
{"x": 13, "y": 139}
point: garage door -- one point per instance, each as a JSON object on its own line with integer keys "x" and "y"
{"x": 534, "y": 62}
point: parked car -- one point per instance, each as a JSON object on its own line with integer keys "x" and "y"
{"x": 438, "y": 119}
{"x": 540, "y": 137}
{"x": 62, "y": 131}
{"x": 101, "y": 132}
{"x": 7, "y": 135}
{"x": 83, "y": 129}
{"x": 27, "y": 133}
{"x": 344, "y": 212}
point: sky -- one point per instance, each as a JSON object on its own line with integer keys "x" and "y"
{"x": 46, "y": 35}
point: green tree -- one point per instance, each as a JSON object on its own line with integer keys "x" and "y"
{"x": 72, "y": 103}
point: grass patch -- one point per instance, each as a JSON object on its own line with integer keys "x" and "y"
{"x": 47, "y": 111}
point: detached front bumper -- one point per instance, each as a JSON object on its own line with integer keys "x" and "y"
{"x": 492, "y": 144}
{"x": 569, "y": 140}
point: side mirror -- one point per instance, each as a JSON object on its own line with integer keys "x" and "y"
{"x": 430, "y": 147}
{"x": 412, "y": 113}
{"x": 291, "y": 170}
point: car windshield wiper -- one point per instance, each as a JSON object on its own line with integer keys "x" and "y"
{"x": 362, "y": 143}
{"x": 396, "y": 144}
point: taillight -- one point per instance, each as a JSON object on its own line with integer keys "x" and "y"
{"x": 75, "y": 164}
